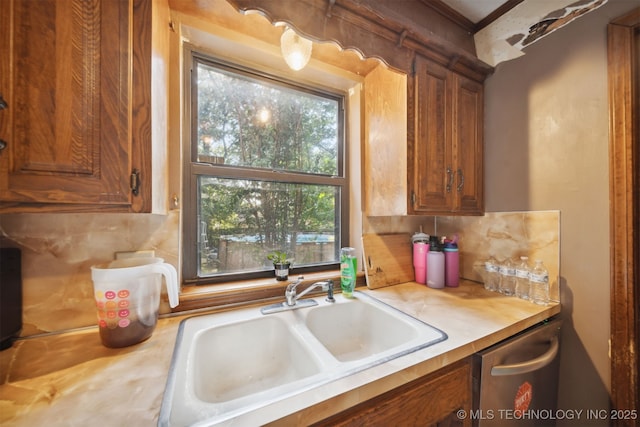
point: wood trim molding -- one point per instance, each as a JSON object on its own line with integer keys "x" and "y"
{"x": 354, "y": 26}
{"x": 624, "y": 163}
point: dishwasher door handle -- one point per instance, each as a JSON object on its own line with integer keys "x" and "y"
{"x": 530, "y": 365}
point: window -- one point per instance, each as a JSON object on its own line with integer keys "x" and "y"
{"x": 264, "y": 171}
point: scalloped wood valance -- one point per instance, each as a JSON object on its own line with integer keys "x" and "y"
{"x": 390, "y": 36}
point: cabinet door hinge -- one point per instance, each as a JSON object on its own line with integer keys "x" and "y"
{"x": 134, "y": 182}
{"x": 413, "y": 198}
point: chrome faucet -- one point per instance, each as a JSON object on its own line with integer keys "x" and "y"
{"x": 292, "y": 297}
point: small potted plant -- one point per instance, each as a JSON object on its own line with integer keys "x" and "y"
{"x": 281, "y": 264}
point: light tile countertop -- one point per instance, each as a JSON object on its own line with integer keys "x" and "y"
{"x": 71, "y": 379}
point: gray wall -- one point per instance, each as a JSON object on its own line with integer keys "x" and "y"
{"x": 546, "y": 147}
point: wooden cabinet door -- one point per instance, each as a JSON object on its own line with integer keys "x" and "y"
{"x": 384, "y": 148}
{"x": 65, "y": 75}
{"x": 433, "y": 400}
{"x": 468, "y": 146}
{"x": 446, "y": 145}
{"x": 430, "y": 149}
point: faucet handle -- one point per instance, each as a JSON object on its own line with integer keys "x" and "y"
{"x": 291, "y": 286}
{"x": 290, "y": 292}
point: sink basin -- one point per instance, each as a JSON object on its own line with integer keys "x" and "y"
{"x": 229, "y": 364}
{"x": 365, "y": 329}
{"x": 225, "y": 368}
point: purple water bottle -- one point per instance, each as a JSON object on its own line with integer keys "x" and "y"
{"x": 452, "y": 264}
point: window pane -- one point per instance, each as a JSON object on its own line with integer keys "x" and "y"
{"x": 241, "y": 221}
{"x": 251, "y": 122}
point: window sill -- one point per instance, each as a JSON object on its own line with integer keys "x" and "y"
{"x": 193, "y": 297}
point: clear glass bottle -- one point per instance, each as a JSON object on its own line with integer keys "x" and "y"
{"x": 507, "y": 277}
{"x": 522, "y": 278}
{"x": 491, "y": 274}
{"x": 539, "y": 284}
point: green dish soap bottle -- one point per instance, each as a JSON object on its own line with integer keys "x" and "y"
{"x": 348, "y": 270}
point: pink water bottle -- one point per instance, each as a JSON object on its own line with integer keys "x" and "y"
{"x": 420, "y": 250}
{"x": 451, "y": 264}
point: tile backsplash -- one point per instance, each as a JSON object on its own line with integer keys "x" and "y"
{"x": 535, "y": 234}
{"x": 59, "y": 249}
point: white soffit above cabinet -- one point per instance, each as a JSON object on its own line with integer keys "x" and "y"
{"x": 474, "y": 10}
{"x": 529, "y": 21}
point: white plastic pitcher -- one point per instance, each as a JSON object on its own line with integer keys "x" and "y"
{"x": 127, "y": 294}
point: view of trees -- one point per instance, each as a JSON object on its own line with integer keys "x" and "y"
{"x": 248, "y": 123}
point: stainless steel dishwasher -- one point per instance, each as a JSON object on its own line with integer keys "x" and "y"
{"x": 516, "y": 381}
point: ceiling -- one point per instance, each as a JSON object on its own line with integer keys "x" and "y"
{"x": 502, "y": 28}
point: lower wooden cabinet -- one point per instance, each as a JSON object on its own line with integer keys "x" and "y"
{"x": 437, "y": 399}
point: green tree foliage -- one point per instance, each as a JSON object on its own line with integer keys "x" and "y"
{"x": 255, "y": 124}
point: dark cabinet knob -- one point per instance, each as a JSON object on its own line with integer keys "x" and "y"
{"x": 3, "y": 144}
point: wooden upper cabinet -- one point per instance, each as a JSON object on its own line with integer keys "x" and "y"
{"x": 431, "y": 175}
{"x": 384, "y": 148}
{"x": 445, "y": 148}
{"x": 468, "y": 146}
{"x": 71, "y": 81}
